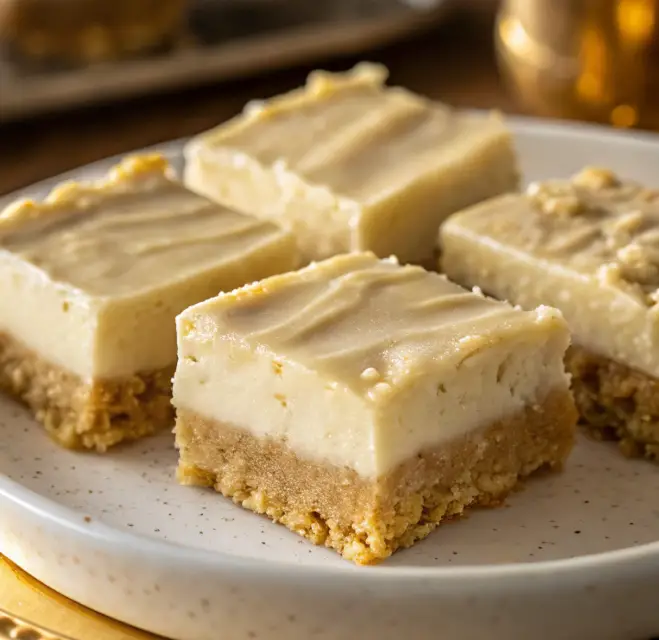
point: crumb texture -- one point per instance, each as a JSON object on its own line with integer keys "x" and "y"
{"x": 81, "y": 415}
{"x": 616, "y": 402}
{"x": 366, "y": 520}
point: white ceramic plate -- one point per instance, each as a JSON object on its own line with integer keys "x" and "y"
{"x": 575, "y": 555}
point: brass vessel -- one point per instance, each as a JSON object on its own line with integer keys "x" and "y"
{"x": 585, "y": 59}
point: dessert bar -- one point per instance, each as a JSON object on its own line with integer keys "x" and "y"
{"x": 91, "y": 279}
{"x": 361, "y": 403}
{"x": 349, "y": 164}
{"x": 590, "y": 247}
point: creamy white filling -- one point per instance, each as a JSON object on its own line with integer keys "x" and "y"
{"x": 221, "y": 378}
{"x": 275, "y": 194}
{"x": 107, "y": 337}
{"x": 603, "y": 317}
{"x": 93, "y": 276}
{"x": 55, "y": 321}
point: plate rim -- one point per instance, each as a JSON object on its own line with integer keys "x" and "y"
{"x": 517, "y": 123}
{"x": 643, "y": 557}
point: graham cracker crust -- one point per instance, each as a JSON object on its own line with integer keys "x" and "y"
{"x": 616, "y": 402}
{"x": 367, "y": 520}
{"x": 80, "y": 415}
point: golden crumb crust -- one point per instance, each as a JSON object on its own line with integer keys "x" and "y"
{"x": 616, "y": 402}
{"x": 81, "y": 415}
{"x": 367, "y": 520}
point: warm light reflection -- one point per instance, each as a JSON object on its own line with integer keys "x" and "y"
{"x": 593, "y": 60}
{"x": 635, "y": 20}
{"x": 624, "y": 115}
{"x": 592, "y": 85}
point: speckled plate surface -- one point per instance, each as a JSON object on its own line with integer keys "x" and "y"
{"x": 574, "y": 555}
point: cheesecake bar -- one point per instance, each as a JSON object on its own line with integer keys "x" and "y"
{"x": 360, "y": 402}
{"x": 590, "y": 247}
{"x": 349, "y": 164}
{"x": 91, "y": 280}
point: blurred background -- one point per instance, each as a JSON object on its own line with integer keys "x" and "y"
{"x": 84, "y": 79}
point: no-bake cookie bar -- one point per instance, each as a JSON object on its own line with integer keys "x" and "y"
{"x": 590, "y": 247}
{"x": 349, "y": 164}
{"x": 360, "y": 403}
{"x": 91, "y": 279}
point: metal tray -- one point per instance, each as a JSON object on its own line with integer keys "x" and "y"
{"x": 223, "y": 39}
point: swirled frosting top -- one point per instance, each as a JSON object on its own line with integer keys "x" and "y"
{"x": 594, "y": 223}
{"x": 372, "y": 324}
{"x": 134, "y": 230}
{"x": 353, "y": 134}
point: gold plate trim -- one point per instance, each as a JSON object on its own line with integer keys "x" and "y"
{"x": 14, "y": 628}
{"x": 23, "y": 599}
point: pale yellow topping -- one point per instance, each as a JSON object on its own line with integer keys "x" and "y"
{"x": 320, "y": 84}
{"x": 349, "y": 164}
{"x": 555, "y": 201}
{"x": 97, "y": 271}
{"x": 134, "y": 230}
{"x": 596, "y": 178}
{"x": 133, "y": 172}
{"x": 370, "y": 323}
{"x": 592, "y": 222}
{"x": 365, "y": 73}
{"x": 350, "y": 133}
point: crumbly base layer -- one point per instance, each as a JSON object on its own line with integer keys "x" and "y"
{"x": 81, "y": 415}
{"x": 616, "y": 402}
{"x": 367, "y": 520}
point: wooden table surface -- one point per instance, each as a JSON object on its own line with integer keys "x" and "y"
{"x": 453, "y": 62}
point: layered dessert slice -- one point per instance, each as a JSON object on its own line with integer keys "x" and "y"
{"x": 589, "y": 246}
{"x": 91, "y": 279}
{"x": 349, "y": 164}
{"x": 361, "y": 403}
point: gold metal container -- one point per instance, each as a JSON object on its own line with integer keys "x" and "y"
{"x": 584, "y": 59}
